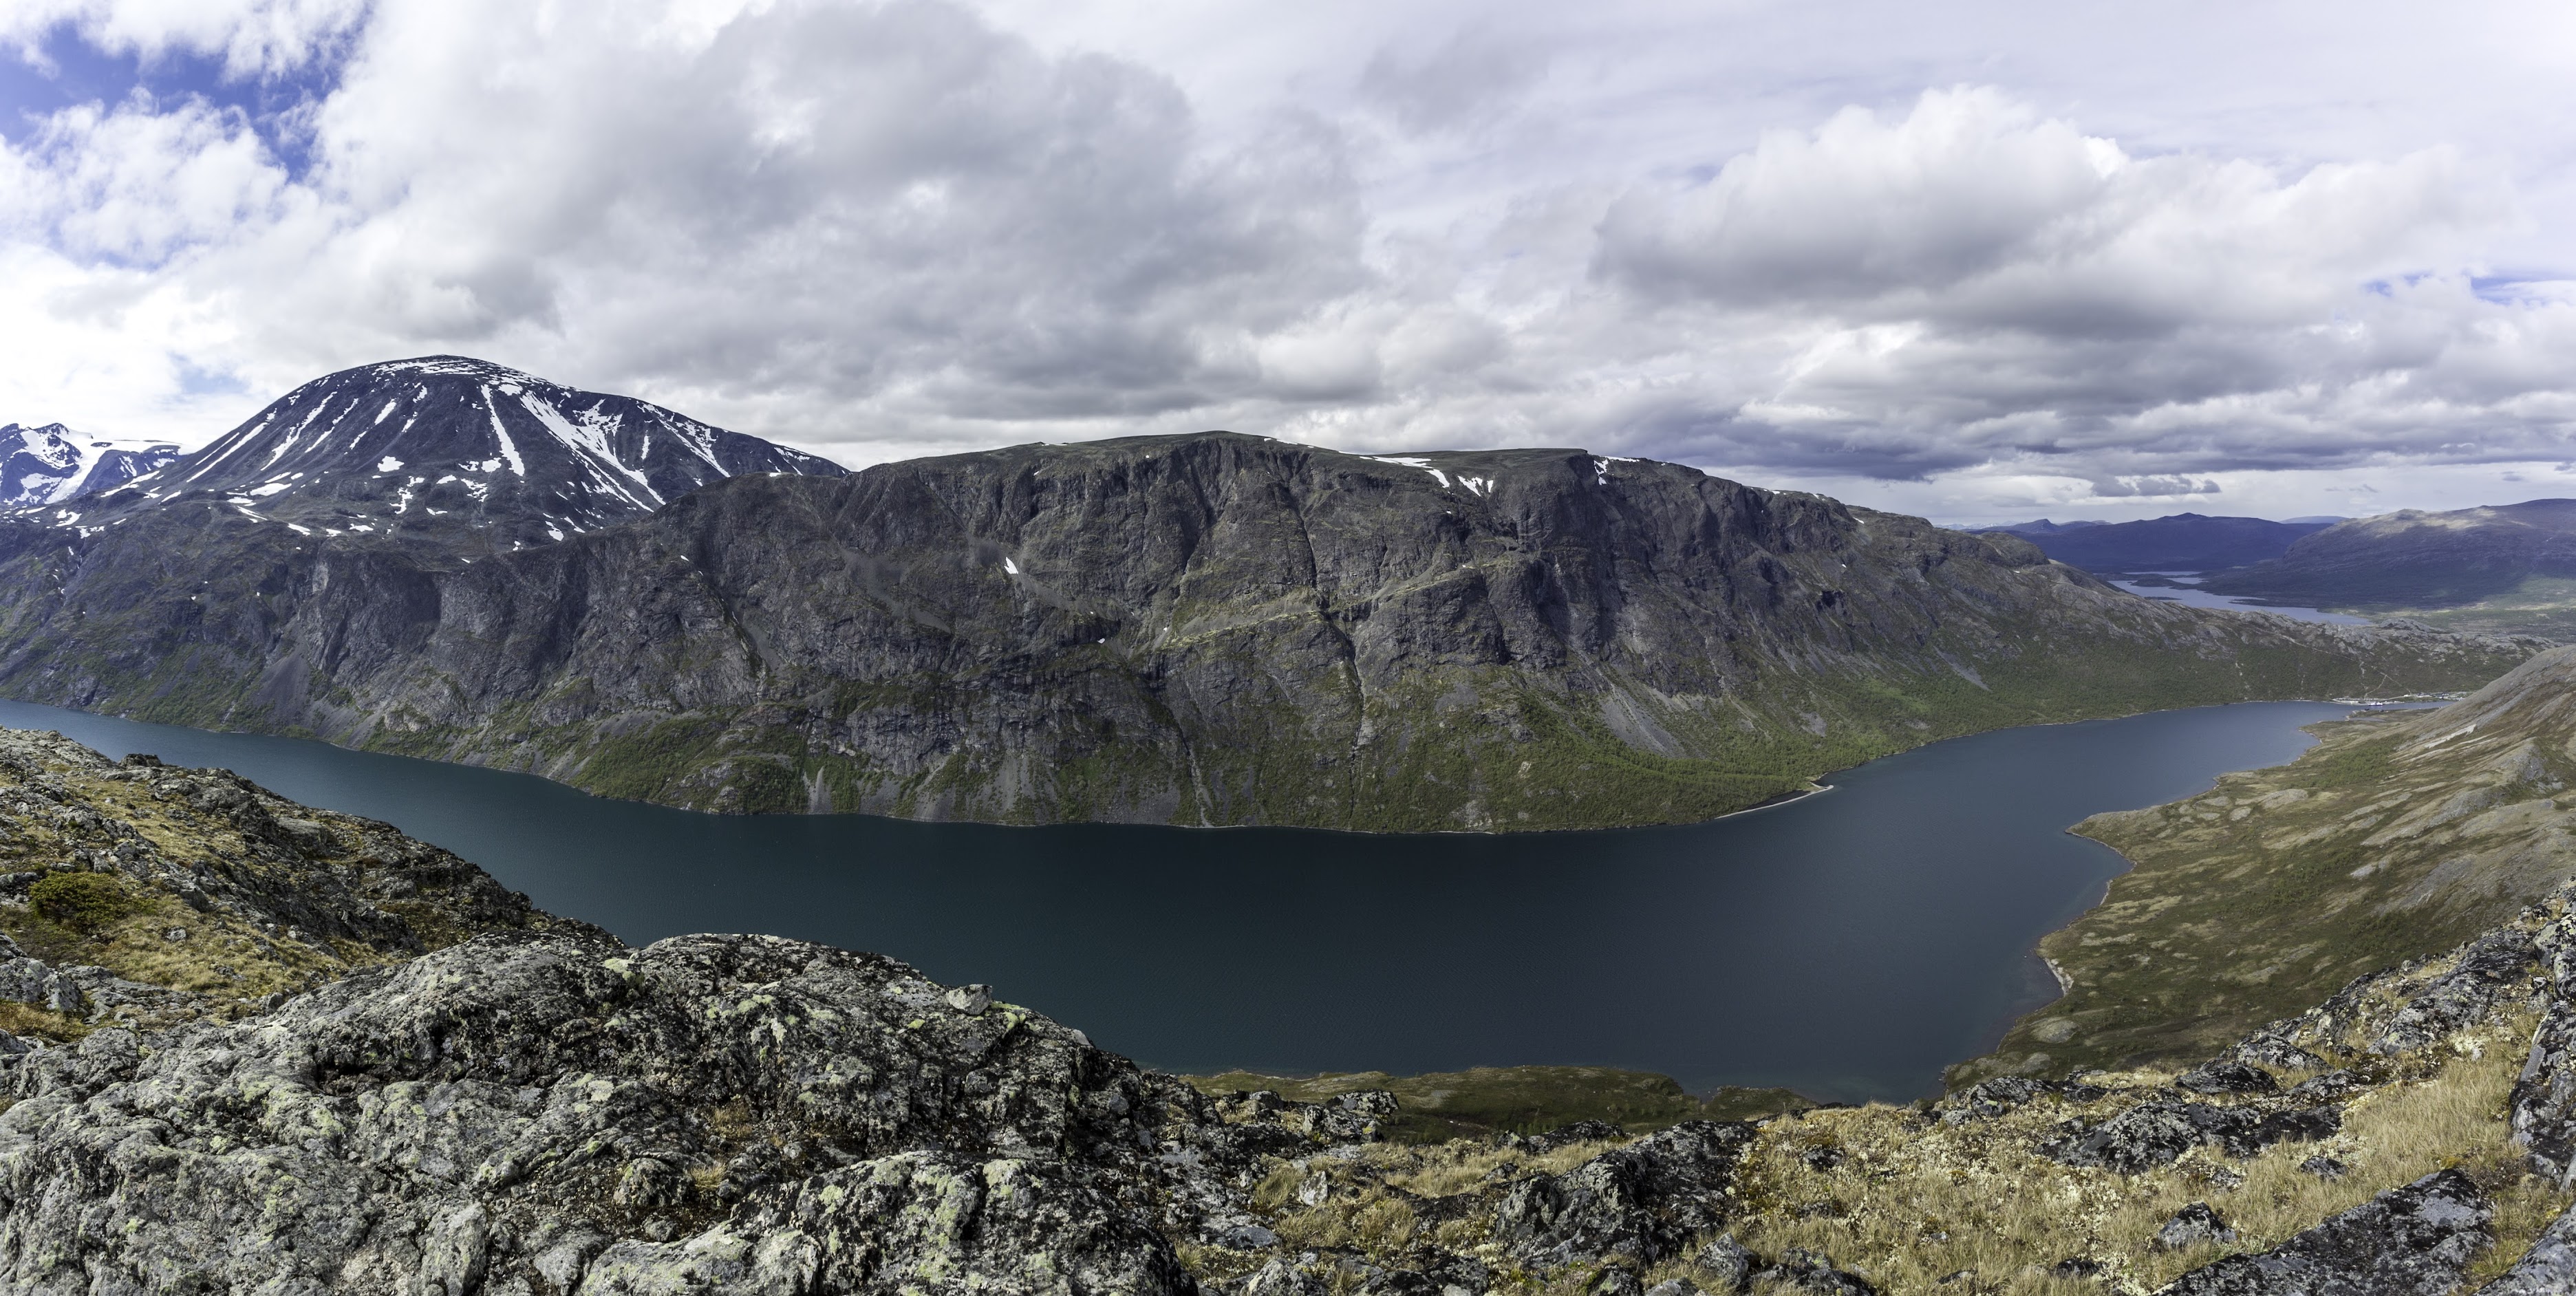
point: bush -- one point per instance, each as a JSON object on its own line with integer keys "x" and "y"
{"x": 81, "y": 902}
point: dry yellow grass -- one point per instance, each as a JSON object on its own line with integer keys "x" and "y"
{"x": 1913, "y": 1201}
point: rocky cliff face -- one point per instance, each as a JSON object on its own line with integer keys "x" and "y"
{"x": 1207, "y": 629}
{"x": 539, "y": 1110}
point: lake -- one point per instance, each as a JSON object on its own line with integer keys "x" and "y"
{"x": 1849, "y": 944}
{"x": 2179, "y": 591}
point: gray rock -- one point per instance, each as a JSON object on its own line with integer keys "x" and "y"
{"x": 2325, "y": 1167}
{"x": 2413, "y": 1241}
{"x": 2192, "y": 1226}
{"x": 971, "y": 1000}
{"x": 1674, "y": 1287}
{"x": 1805, "y": 1271}
{"x": 2157, "y": 1132}
{"x": 2543, "y": 1103}
{"x": 2487, "y": 967}
{"x": 1640, "y": 1202}
{"x": 2227, "y": 1076}
{"x": 1727, "y": 1264}
{"x": 735, "y": 1113}
{"x": 1282, "y": 1278}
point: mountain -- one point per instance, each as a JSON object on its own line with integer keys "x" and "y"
{"x": 450, "y": 449}
{"x": 51, "y": 464}
{"x": 2039, "y": 528}
{"x": 1216, "y": 629}
{"x": 257, "y": 1046}
{"x": 2181, "y": 542}
{"x": 2415, "y": 559}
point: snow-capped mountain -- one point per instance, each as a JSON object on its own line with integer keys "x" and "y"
{"x": 445, "y": 442}
{"x": 51, "y": 464}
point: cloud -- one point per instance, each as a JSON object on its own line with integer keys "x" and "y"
{"x": 794, "y": 204}
{"x": 1477, "y": 73}
{"x": 886, "y": 228}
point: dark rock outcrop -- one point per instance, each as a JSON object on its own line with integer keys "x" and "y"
{"x": 2156, "y": 1133}
{"x": 2413, "y": 1241}
{"x": 1642, "y": 1202}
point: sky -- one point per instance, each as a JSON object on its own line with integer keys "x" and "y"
{"x": 1982, "y": 261}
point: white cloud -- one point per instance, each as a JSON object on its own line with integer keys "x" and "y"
{"x": 884, "y": 228}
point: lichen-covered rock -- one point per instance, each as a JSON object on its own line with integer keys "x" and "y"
{"x": 2462, "y": 995}
{"x": 2544, "y": 1096}
{"x": 1642, "y": 1201}
{"x": 1800, "y": 1270}
{"x": 2227, "y": 1076}
{"x": 559, "y": 1113}
{"x": 2156, "y": 1133}
{"x": 2192, "y": 1226}
{"x": 2412, "y": 1241}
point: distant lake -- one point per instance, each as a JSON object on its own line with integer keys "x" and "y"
{"x": 2180, "y": 592}
{"x": 1850, "y": 944}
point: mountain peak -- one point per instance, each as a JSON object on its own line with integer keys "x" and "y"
{"x": 442, "y": 443}
{"x": 52, "y": 464}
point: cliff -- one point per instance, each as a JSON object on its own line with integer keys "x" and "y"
{"x": 1211, "y": 629}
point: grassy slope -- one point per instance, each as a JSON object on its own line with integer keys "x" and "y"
{"x": 1916, "y": 1202}
{"x": 2387, "y": 841}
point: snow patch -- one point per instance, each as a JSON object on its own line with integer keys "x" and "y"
{"x": 508, "y": 451}
{"x": 1011, "y": 567}
{"x": 388, "y": 464}
{"x": 270, "y": 488}
{"x": 385, "y": 413}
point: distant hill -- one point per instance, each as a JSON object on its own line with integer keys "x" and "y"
{"x": 2415, "y": 559}
{"x": 2181, "y": 542}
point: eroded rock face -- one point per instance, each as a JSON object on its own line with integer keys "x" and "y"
{"x": 559, "y": 1114}
{"x": 2412, "y": 1241}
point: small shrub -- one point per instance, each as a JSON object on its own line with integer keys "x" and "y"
{"x": 81, "y": 902}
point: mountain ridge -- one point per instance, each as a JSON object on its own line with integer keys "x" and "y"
{"x": 1204, "y": 629}
{"x": 2178, "y": 542}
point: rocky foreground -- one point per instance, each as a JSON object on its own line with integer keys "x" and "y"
{"x": 259, "y": 1048}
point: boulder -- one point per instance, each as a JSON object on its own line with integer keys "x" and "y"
{"x": 2191, "y": 1226}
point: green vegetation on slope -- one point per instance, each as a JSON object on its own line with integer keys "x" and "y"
{"x": 2395, "y": 837}
{"x": 1482, "y": 1101}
